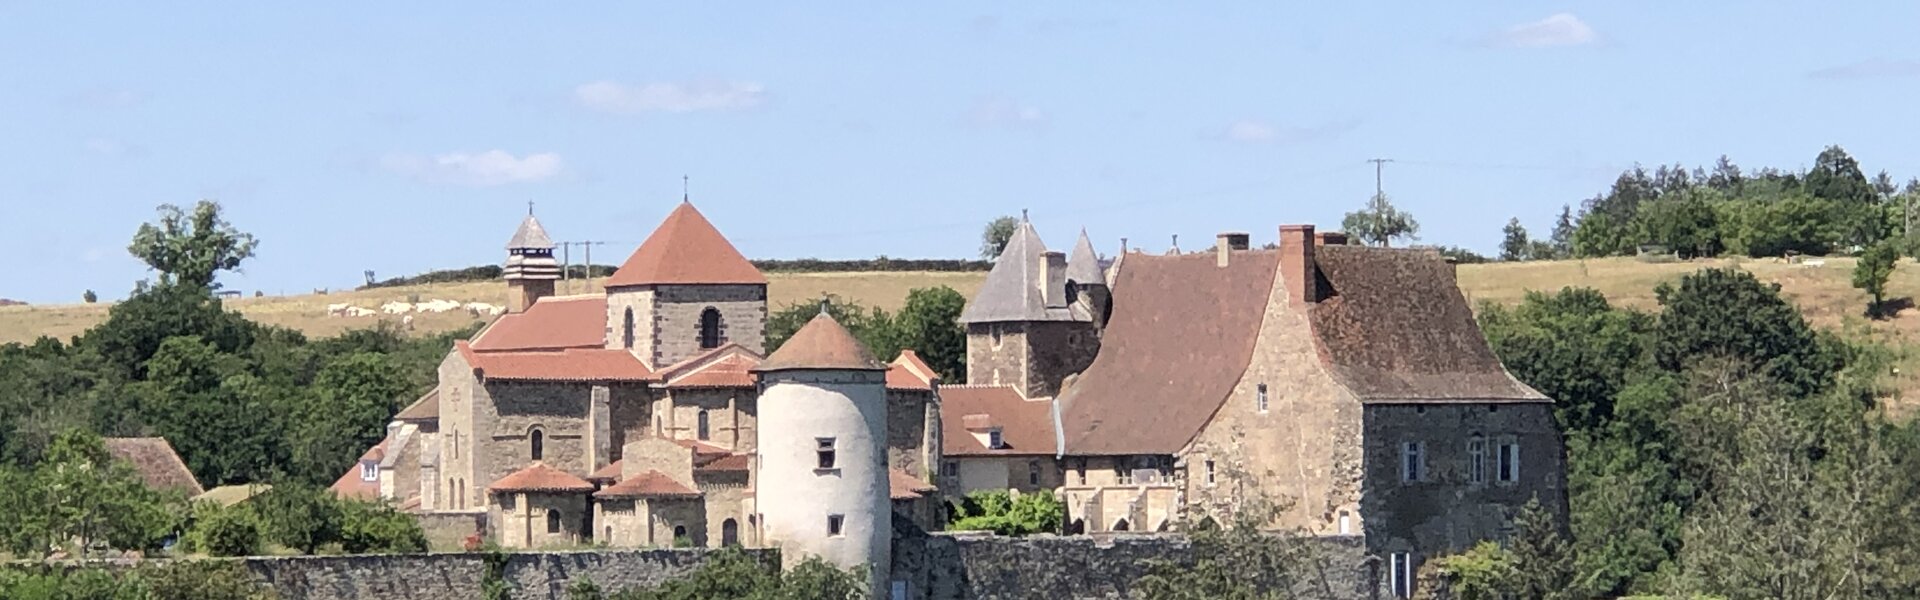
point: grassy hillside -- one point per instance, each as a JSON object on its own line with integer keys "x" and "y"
{"x": 308, "y": 313}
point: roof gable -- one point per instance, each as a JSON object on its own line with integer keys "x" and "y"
{"x": 539, "y": 477}
{"x": 725, "y": 367}
{"x": 1182, "y": 333}
{"x": 686, "y": 249}
{"x": 822, "y": 344}
{"x": 650, "y": 484}
{"x": 427, "y": 408}
{"x": 909, "y": 372}
{"x": 156, "y": 463}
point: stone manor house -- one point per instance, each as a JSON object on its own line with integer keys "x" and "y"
{"x": 1347, "y": 387}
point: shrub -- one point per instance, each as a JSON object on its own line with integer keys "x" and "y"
{"x": 224, "y": 531}
{"x": 1003, "y": 514}
{"x": 374, "y": 527}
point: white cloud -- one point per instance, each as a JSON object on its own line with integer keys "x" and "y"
{"x": 619, "y": 98}
{"x": 1866, "y": 69}
{"x": 1006, "y": 112}
{"x": 113, "y": 148}
{"x": 484, "y": 169}
{"x": 1562, "y": 29}
{"x": 1257, "y": 131}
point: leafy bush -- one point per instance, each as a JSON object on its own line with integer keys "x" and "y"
{"x": 220, "y": 531}
{"x": 1003, "y": 514}
{"x": 733, "y": 574}
{"x": 174, "y": 580}
{"x": 371, "y": 527}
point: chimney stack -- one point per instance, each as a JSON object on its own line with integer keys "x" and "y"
{"x": 1053, "y": 278}
{"x": 1226, "y": 243}
{"x": 1297, "y": 267}
{"x": 1331, "y": 238}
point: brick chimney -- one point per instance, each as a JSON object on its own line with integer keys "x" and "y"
{"x": 1226, "y": 243}
{"x": 1297, "y": 268}
{"x": 1053, "y": 278}
{"x": 1331, "y": 238}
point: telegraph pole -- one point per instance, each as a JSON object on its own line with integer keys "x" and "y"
{"x": 1379, "y": 166}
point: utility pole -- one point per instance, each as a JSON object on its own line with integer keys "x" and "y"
{"x": 566, "y": 251}
{"x": 1379, "y": 166}
{"x": 566, "y": 259}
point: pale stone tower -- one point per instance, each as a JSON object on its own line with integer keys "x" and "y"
{"x": 1026, "y": 327}
{"x": 685, "y": 291}
{"x": 822, "y": 479}
{"x": 530, "y": 270}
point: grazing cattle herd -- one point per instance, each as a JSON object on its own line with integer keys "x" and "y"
{"x": 407, "y": 309}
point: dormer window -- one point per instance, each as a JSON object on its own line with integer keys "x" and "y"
{"x": 994, "y": 441}
{"x": 369, "y": 471}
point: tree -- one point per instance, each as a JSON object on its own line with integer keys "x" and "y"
{"x": 1379, "y": 223}
{"x": 378, "y": 528}
{"x": 1513, "y": 242}
{"x": 930, "y": 325}
{"x": 224, "y": 531}
{"x": 1484, "y": 572}
{"x": 1873, "y": 270}
{"x": 1728, "y": 312}
{"x": 994, "y": 239}
{"x": 356, "y": 395}
{"x": 1562, "y": 237}
{"x": 191, "y": 249}
{"x": 1542, "y": 558}
{"x": 89, "y": 297}
{"x": 873, "y": 327}
{"x": 298, "y": 516}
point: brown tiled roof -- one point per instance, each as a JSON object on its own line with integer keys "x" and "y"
{"x": 651, "y": 484}
{"x": 908, "y": 372}
{"x": 552, "y": 323}
{"x": 351, "y": 485}
{"x": 411, "y": 504}
{"x": 725, "y": 367}
{"x": 1180, "y": 336}
{"x": 1026, "y": 426}
{"x": 154, "y": 459}
{"x": 702, "y": 450}
{"x": 611, "y": 472}
{"x": 729, "y": 463}
{"x": 564, "y": 365}
{"x": 427, "y": 408}
{"x": 539, "y": 477}
{"x": 901, "y": 486}
{"x": 822, "y": 344}
{"x": 1398, "y": 330}
{"x": 686, "y": 249}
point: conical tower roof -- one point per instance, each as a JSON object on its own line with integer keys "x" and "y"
{"x": 686, "y": 249}
{"x": 1083, "y": 265}
{"x": 1012, "y": 289}
{"x": 530, "y": 235}
{"x": 822, "y": 344}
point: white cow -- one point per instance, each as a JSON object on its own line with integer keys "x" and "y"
{"x": 396, "y": 308}
{"x": 338, "y": 309}
{"x": 355, "y": 311}
{"x": 437, "y": 306}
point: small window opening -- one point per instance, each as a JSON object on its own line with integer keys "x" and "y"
{"x": 1509, "y": 462}
{"x": 1477, "y": 459}
{"x": 994, "y": 441}
{"x": 710, "y": 328}
{"x": 553, "y": 521}
{"x": 1260, "y": 398}
{"x": 369, "y": 471}
{"x": 1033, "y": 472}
{"x": 626, "y": 330}
{"x": 825, "y": 452}
{"x": 537, "y": 444}
{"x": 1210, "y": 471}
{"x": 701, "y": 428}
{"x": 1412, "y": 463}
{"x": 835, "y": 523}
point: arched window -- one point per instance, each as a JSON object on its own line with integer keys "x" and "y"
{"x": 729, "y": 533}
{"x": 1121, "y": 525}
{"x": 537, "y": 444}
{"x": 702, "y": 427}
{"x": 680, "y": 539}
{"x": 626, "y": 330}
{"x": 553, "y": 521}
{"x": 710, "y": 328}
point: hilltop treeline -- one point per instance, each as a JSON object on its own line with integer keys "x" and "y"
{"x": 775, "y": 265}
{"x": 1724, "y": 210}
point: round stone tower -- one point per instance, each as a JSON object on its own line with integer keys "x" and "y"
{"x": 821, "y": 488}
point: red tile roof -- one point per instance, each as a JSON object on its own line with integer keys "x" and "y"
{"x": 611, "y": 472}
{"x": 686, "y": 249}
{"x": 156, "y": 463}
{"x": 351, "y": 485}
{"x": 564, "y": 365}
{"x": 540, "y": 478}
{"x": 822, "y": 344}
{"x": 552, "y": 323}
{"x": 651, "y": 484}
{"x": 427, "y": 408}
{"x": 901, "y": 486}
{"x": 908, "y": 372}
{"x": 724, "y": 367}
{"x": 1026, "y": 426}
{"x": 702, "y": 450}
{"x": 730, "y": 462}
{"x": 1181, "y": 335}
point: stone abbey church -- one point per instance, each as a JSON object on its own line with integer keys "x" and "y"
{"x": 1347, "y": 386}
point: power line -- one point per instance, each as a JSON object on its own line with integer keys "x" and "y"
{"x": 1379, "y": 168}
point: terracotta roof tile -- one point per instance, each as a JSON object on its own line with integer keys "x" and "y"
{"x": 728, "y": 463}
{"x": 564, "y": 365}
{"x": 724, "y": 367}
{"x": 909, "y": 372}
{"x": 552, "y": 323}
{"x": 901, "y": 486}
{"x": 1397, "y": 329}
{"x": 822, "y": 344}
{"x": 686, "y": 249}
{"x": 611, "y": 472}
{"x": 539, "y": 477}
{"x": 352, "y": 485}
{"x": 1026, "y": 426}
{"x": 1181, "y": 334}
{"x": 703, "y": 450}
{"x": 427, "y": 408}
{"x": 651, "y": 484}
{"x": 156, "y": 462}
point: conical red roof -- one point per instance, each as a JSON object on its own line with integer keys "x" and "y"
{"x": 686, "y": 249}
{"x": 822, "y": 344}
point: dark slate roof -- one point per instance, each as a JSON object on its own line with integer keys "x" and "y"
{"x": 1012, "y": 289}
{"x": 1083, "y": 264}
{"x": 822, "y": 344}
{"x": 1181, "y": 335}
{"x": 427, "y": 408}
{"x": 1397, "y": 329}
{"x": 530, "y": 235}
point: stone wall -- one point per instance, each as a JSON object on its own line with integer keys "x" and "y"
{"x": 529, "y": 576}
{"x": 978, "y": 567}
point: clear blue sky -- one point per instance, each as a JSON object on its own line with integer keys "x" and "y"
{"x": 353, "y": 136}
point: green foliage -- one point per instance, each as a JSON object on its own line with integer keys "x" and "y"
{"x": 374, "y": 527}
{"x": 928, "y": 325}
{"x": 302, "y": 517}
{"x": 1379, "y": 223}
{"x": 1873, "y": 270}
{"x": 1002, "y": 513}
{"x": 358, "y": 393}
{"x": 732, "y": 574}
{"x": 89, "y": 297}
{"x": 78, "y": 493}
{"x": 1514, "y": 245}
{"x": 993, "y": 239}
{"x": 177, "y": 580}
{"x": 1462, "y": 255}
{"x": 229, "y": 531}
{"x": 872, "y": 326}
{"x": 1729, "y": 313}
{"x": 191, "y": 249}
{"x": 1484, "y": 572}
{"x": 1241, "y": 561}
{"x": 1543, "y": 560}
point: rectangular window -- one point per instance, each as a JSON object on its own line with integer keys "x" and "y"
{"x": 834, "y": 524}
{"x": 1260, "y": 398}
{"x": 1400, "y": 575}
{"x": 1080, "y": 470}
{"x": 1346, "y": 523}
{"x": 825, "y": 451}
{"x": 1509, "y": 462}
{"x": 994, "y": 442}
{"x": 951, "y": 468}
{"x": 1122, "y": 475}
{"x": 1209, "y": 471}
{"x": 1477, "y": 460}
{"x": 369, "y": 471}
{"x": 1413, "y": 463}
{"x": 1033, "y": 472}
{"x": 898, "y": 591}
